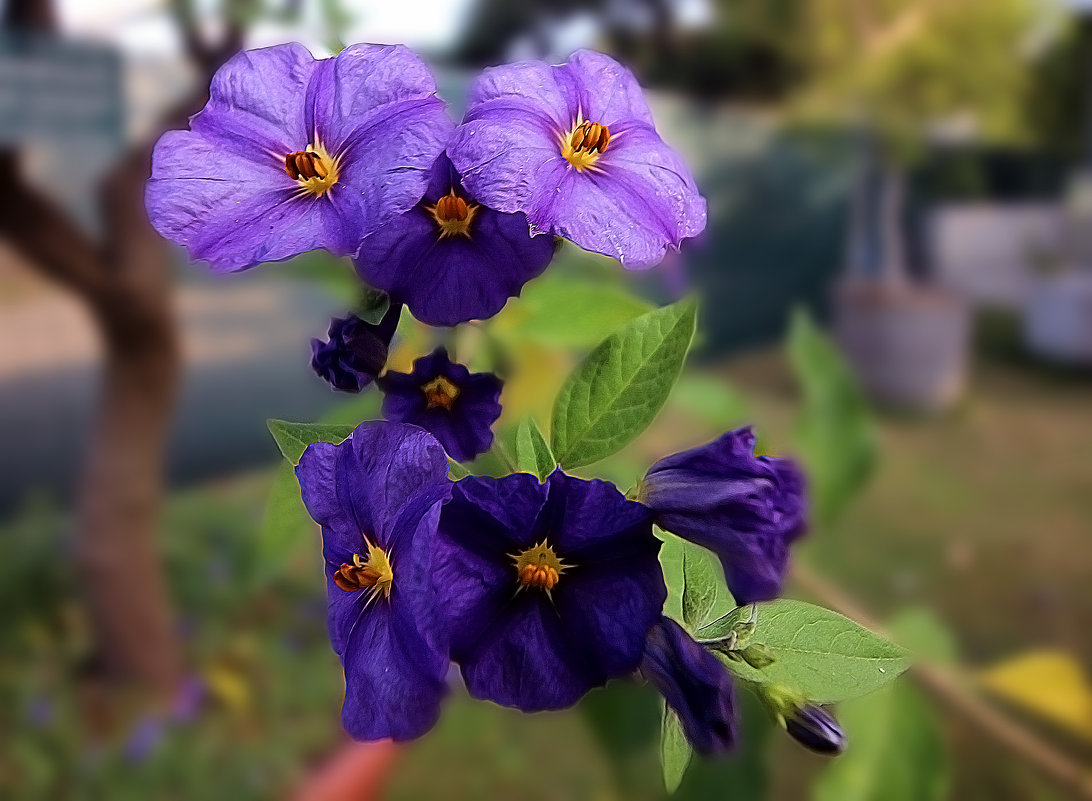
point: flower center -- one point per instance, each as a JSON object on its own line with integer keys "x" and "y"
{"x": 440, "y": 393}
{"x": 314, "y": 169}
{"x": 539, "y": 567}
{"x": 453, "y": 214}
{"x": 375, "y": 573}
{"x": 584, "y": 144}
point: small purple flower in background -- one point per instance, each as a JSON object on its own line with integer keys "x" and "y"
{"x": 377, "y": 496}
{"x": 814, "y": 728}
{"x": 574, "y": 148}
{"x": 694, "y": 684}
{"x": 188, "y": 699}
{"x": 549, "y": 589}
{"x": 451, "y": 259}
{"x": 292, "y": 154}
{"x": 144, "y": 739}
{"x": 747, "y": 509}
{"x": 356, "y": 351}
{"x": 444, "y": 398}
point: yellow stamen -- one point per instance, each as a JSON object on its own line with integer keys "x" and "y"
{"x": 453, "y": 214}
{"x": 538, "y": 567}
{"x": 376, "y": 573}
{"x": 584, "y": 144}
{"x": 314, "y": 169}
{"x": 440, "y": 393}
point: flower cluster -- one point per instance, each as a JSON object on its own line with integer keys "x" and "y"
{"x": 356, "y": 154}
{"x": 539, "y": 586}
{"x": 538, "y": 590}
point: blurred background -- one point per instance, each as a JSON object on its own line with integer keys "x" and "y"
{"x": 915, "y": 174}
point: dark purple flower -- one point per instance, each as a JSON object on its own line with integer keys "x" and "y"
{"x": 815, "y": 728}
{"x": 456, "y": 406}
{"x": 549, "y": 589}
{"x": 292, "y": 154}
{"x": 356, "y": 351}
{"x": 188, "y": 699}
{"x": 451, "y": 259}
{"x": 694, "y": 684}
{"x": 575, "y": 149}
{"x": 747, "y": 509}
{"x": 377, "y": 496}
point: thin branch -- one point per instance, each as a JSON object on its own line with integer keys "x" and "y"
{"x": 947, "y": 687}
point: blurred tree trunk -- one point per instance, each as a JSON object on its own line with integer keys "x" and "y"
{"x": 125, "y": 282}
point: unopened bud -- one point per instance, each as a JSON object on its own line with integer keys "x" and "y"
{"x": 816, "y": 729}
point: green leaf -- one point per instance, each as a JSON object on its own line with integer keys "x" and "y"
{"x": 615, "y": 393}
{"x": 455, "y": 471}
{"x": 896, "y": 751}
{"x": 700, "y": 588}
{"x": 533, "y": 455}
{"x": 374, "y": 304}
{"x": 285, "y": 530}
{"x": 675, "y": 751}
{"x": 293, "y": 438}
{"x": 835, "y": 433}
{"x": 691, "y": 571}
{"x": 558, "y": 311}
{"x": 822, "y": 655}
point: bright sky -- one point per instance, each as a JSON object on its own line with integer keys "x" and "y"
{"x": 143, "y": 26}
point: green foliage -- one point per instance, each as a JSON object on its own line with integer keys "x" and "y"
{"x": 455, "y": 471}
{"x": 293, "y": 438}
{"x": 284, "y": 530}
{"x": 820, "y": 654}
{"x": 835, "y": 434}
{"x": 533, "y": 455}
{"x": 675, "y": 750}
{"x": 373, "y": 305}
{"x": 896, "y": 747}
{"x": 711, "y": 400}
{"x": 701, "y": 577}
{"x": 615, "y": 393}
{"x": 696, "y": 591}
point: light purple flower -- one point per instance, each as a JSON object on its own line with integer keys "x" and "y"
{"x": 293, "y": 153}
{"x": 575, "y": 149}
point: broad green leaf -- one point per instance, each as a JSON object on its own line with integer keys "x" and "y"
{"x": 684, "y": 563}
{"x": 533, "y": 455}
{"x": 896, "y": 751}
{"x": 293, "y": 438}
{"x": 723, "y": 625}
{"x": 455, "y": 471}
{"x": 675, "y": 751}
{"x": 286, "y": 527}
{"x": 835, "y": 433}
{"x": 701, "y": 577}
{"x": 1051, "y": 685}
{"x": 821, "y": 654}
{"x": 615, "y": 393}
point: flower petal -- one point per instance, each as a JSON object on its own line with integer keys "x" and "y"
{"x": 610, "y": 93}
{"x": 256, "y": 102}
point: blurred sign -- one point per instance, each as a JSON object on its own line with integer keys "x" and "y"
{"x": 55, "y": 89}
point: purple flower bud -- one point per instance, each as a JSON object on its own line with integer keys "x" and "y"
{"x": 815, "y": 728}
{"x": 456, "y": 406}
{"x": 747, "y": 509}
{"x": 356, "y": 351}
{"x": 694, "y": 683}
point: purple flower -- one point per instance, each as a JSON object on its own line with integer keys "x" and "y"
{"x": 747, "y": 509}
{"x": 451, "y": 259}
{"x": 574, "y": 148}
{"x": 377, "y": 496}
{"x": 549, "y": 589}
{"x": 292, "y": 154}
{"x": 144, "y": 739}
{"x": 356, "y": 351}
{"x": 694, "y": 684}
{"x": 816, "y": 729}
{"x": 456, "y": 406}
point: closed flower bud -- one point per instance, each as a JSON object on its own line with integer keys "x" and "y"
{"x": 356, "y": 351}
{"x": 816, "y": 729}
{"x": 747, "y": 509}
